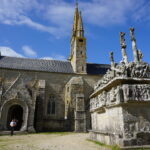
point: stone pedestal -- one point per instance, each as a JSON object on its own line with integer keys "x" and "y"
{"x": 121, "y": 115}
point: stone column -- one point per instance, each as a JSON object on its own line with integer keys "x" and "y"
{"x": 111, "y": 55}
{"x": 134, "y": 48}
{"x": 123, "y": 48}
{"x": 25, "y": 118}
{"x": 32, "y": 108}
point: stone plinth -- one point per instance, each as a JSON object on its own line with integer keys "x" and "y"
{"x": 120, "y": 112}
{"x": 120, "y": 102}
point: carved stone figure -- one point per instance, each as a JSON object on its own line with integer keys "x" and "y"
{"x": 125, "y": 89}
{"x": 111, "y": 59}
{"x": 143, "y": 124}
{"x": 135, "y": 52}
{"x": 123, "y": 48}
{"x": 140, "y": 55}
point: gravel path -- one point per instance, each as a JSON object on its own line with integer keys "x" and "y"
{"x": 45, "y": 141}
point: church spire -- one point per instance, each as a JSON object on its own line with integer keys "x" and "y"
{"x": 75, "y": 22}
{"x": 76, "y": 3}
{"x": 80, "y": 29}
{"x": 78, "y": 44}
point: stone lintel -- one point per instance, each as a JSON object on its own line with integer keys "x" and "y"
{"x": 118, "y": 81}
{"x": 130, "y": 102}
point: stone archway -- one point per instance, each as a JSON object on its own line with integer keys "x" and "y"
{"x": 14, "y": 109}
{"x": 15, "y": 112}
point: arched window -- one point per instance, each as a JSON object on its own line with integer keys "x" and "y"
{"x": 51, "y": 106}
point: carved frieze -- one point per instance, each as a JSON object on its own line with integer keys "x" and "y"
{"x": 121, "y": 94}
{"x": 137, "y": 92}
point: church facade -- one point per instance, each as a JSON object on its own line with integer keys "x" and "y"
{"x": 49, "y": 95}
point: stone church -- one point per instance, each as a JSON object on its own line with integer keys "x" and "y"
{"x": 49, "y": 95}
{"x": 113, "y": 101}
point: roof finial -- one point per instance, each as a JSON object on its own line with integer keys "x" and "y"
{"x": 76, "y": 3}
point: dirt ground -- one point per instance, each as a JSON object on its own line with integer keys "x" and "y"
{"x": 48, "y": 141}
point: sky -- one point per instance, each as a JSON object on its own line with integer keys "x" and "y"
{"x": 42, "y": 28}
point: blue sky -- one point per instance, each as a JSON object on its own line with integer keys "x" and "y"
{"x": 42, "y": 28}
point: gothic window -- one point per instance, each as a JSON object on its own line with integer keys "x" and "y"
{"x": 51, "y": 106}
{"x": 81, "y": 40}
{"x": 67, "y": 89}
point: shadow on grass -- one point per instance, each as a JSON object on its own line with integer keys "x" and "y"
{"x": 114, "y": 147}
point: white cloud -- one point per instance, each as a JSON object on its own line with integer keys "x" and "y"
{"x": 7, "y": 51}
{"x": 47, "y": 58}
{"x": 108, "y": 12}
{"x": 142, "y": 11}
{"x": 28, "y": 51}
{"x": 54, "y": 57}
{"x": 59, "y": 13}
{"x": 17, "y": 12}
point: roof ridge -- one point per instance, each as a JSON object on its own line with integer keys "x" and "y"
{"x": 98, "y": 64}
{"x": 35, "y": 59}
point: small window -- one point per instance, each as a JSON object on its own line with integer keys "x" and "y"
{"x": 81, "y": 52}
{"x": 81, "y": 40}
{"x": 51, "y": 106}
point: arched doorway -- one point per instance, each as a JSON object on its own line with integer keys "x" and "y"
{"x": 15, "y": 112}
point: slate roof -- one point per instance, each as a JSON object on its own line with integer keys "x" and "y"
{"x": 97, "y": 68}
{"x": 47, "y": 65}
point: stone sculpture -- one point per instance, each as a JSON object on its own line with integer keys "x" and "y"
{"x": 123, "y": 48}
{"x": 121, "y": 100}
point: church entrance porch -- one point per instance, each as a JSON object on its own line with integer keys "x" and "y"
{"x": 14, "y": 109}
{"x": 15, "y": 112}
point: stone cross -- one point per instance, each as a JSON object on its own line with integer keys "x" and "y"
{"x": 123, "y": 48}
{"x": 140, "y": 56}
{"x": 112, "y": 59}
{"x": 134, "y": 48}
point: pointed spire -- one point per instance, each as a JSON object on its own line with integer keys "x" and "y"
{"x": 80, "y": 28}
{"x": 74, "y": 28}
{"x": 76, "y": 17}
{"x": 76, "y": 3}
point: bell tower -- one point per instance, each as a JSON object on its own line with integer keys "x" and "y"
{"x": 78, "y": 44}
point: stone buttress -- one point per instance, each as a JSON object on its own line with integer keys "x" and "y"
{"x": 75, "y": 104}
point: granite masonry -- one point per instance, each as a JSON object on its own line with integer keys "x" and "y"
{"x": 120, "y": 102}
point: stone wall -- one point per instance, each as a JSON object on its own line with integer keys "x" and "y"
{"x": 54, "y": 85}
